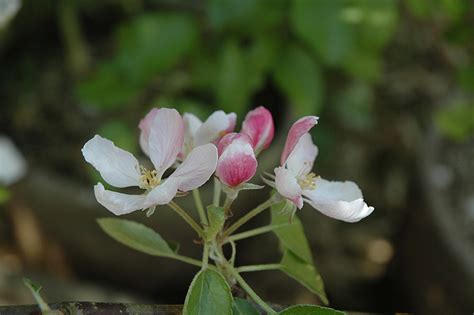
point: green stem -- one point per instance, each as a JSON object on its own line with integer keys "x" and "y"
{"x": 217, "y": 192}
{"x": 252, "y": 268}
{"x": 249, "y": 216}
{"x": 251, "y": 292}
{"x": 233, "y": 253}
{"x": 186, "y": 217}
{"x": 227, "y": 203}
{"x": 188, "y": 260}
{"x": 200, "y": 207}
{"x": 254, "y": 232}
{"x": 205, "y": 255}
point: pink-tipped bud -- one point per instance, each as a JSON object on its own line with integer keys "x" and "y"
{"x": 237, "y": 163}
{"x": 145, "y": 126}
{"x": 258, "y": 125}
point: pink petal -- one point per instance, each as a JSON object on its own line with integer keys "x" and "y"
{"x": 166, "y": 139}
{"x": 338, "y": 200}
{"x": 197, "y": 168}
{"x": 237, "y": 163}
{"x": 287, "y": 185}
{"x": 217, "y": 125}
{"x": 145, "y": 126}
{"x": 299, "y": 128}
{"x": 302, "y": 157}
{"x": 118, "y": 203}
{"x": 163, "y": 193}
{"x": 258, "y": 125}
{"x": 226, "y": 140}
{"x": 117, "y": 167}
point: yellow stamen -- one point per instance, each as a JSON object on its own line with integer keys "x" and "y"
{"x": 308, "y": 182}
{"x": 148, "y": 179}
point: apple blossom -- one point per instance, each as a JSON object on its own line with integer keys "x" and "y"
{"x": 198, "y": 133}
{"x": 295, "y": 181}
{"x": 162, "y": 138}
{"x": 237, "y": 163}
{"x": 258, "y": 125}
{"x": 13, "y": 165}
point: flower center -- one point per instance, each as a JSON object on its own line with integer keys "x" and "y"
{"x": 148, "y": 179}
{"x": 308, "y": 182}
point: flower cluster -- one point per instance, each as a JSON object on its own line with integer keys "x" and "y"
{"x": 196, "y": 150}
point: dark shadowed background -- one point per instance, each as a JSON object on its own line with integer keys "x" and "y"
{"x": 393, "y": 85}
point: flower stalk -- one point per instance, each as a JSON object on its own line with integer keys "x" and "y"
{"x": 186, "y": 217}
{"x": 200, "y": 207}
{"x": 267, "y": 204}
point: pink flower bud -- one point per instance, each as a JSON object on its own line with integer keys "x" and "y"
{"x": 237, "y": 163}
{"x": 258, "y": 125}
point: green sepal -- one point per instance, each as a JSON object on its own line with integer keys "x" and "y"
{"x": 216, "y": 221}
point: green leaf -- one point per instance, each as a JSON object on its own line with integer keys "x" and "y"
{"x": 319, "y": 24}
{"x": 297, "y": 261}
{"x": 208, "y": 293}
{"x": 303, "y": 272}
{"x": 291, "y": 236}
{"x": 299, "y": 77}
{"x": 243, "y": 307}
{"x": 216, "y": 221}
{"x": 153, "y": 43}
{"x": 136, "y": 236}
{"x": 232, "y": 85}
{"x": 148, "y": 45}
{"x": 310, "y": 310}
{"x": 244, "y": 16}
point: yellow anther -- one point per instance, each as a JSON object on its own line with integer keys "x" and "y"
{"x": 308, "y": 182}
{"x": 148, "y": 179}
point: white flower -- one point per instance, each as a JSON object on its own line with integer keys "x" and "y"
{"x": 163, "y": 143}
{"x": 12, "y": 163}
{"x": 198, "y": 133}
{"x": 294, "y": 180}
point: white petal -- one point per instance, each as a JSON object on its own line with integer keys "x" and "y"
{"x": 338, "y": 200}
{"x": 191, "y": 126}
{"x": 197, "y": 168}
{"x": 166, "y": 139}
{"x": 118, "y": 203}
{"x": 163, "y": 193}
{"x": 117, "y": 167}
{"x": 302, "y": 157}
{"x": 191, "y": 123}
{"x": 13, "y": 165}
{"x": 213, "y": 128}
{"x": 145, "y": 126}
{"x": 287, "y": 186}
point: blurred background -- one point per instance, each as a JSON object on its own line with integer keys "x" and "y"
{"x": 392, "y": 82}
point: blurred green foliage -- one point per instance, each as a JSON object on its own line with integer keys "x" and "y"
{"x": 226, "y": 51}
